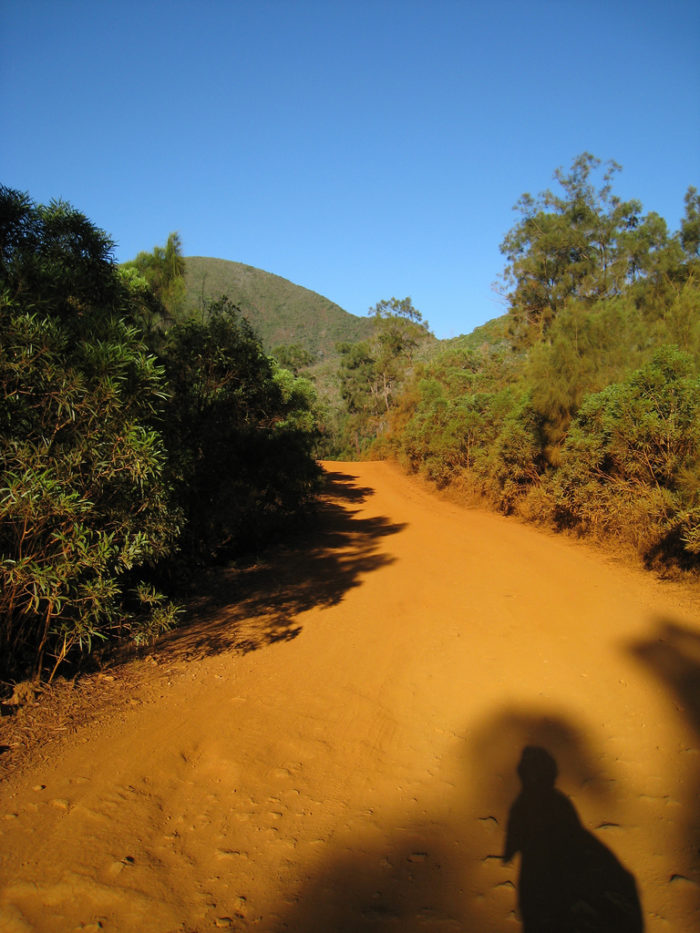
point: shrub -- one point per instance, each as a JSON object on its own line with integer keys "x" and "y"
{"x": 83, "y": 501}
{"x": 630, "y": 466}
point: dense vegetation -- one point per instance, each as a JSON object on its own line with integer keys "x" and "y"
{"x": 371, "y": 376}
{"x": 131, "y": 448}
{"x": 581, "y": 407}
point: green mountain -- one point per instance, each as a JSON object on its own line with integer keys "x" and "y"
{"x": 280, "y": 312}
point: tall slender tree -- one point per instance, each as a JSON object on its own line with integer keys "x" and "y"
{"x": 164, "y": 271}
{"x": 578, "y": 242}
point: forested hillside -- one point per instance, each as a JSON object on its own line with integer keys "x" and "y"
{"x": 280, "y": 312}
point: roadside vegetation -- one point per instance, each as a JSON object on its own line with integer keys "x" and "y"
{"x": 136, "y": 445}
{"x": 581, "y": 406}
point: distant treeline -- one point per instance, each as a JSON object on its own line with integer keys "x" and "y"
{"x": 579, "y": 408}
{"x": 135, "y": 445}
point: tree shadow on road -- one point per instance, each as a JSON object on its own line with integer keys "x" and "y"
{"x": 672, "y": 654}
{"x": 674, "y": 657}
{"x": 408, "y": 883}
{"x": 247, "y": 608}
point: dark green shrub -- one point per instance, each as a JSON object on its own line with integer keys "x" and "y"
{"x": 237, "y": 433}
{"x": 83, "y": 501}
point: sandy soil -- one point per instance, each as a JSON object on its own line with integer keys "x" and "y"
{"x": 332, "y": 743}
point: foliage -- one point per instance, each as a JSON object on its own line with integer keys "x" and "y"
{"x": 128, "y": 447}
{"x": 299, "y": 400}
{"x": 473, "y": 420}
{"x": 83, "y": 499}
{"x": 690, "y": 225}
{"x": 631, "y": 463}
{"x": 587, "y": 346}
{"x": 53, "y": 260}
{"x": 163, "y": 270}
{"x": 584, "y": 410}
{"x": 680, "y": 324}
{"x": 293, "y": 357}
{"x": 514, "y": 463}
{"x": 372, "y": 372}
{"x": 238, "y": 435}
{"x": 583, "y": 244}
{"x": 137, "y": 443}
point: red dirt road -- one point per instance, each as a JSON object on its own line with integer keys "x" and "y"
{"x": 332, "y": 742}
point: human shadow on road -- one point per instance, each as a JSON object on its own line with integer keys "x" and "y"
{"x": 569, "y": 882}
{"x": 446, "y": 871}
{"x": 247, "y": 608}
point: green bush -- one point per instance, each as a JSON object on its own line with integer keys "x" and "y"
{"x": 83, "y": 500}
{"x": 631, "y": 464}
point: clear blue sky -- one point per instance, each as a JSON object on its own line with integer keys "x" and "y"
{"x": 361, "y": 148}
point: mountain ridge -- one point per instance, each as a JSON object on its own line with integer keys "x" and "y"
{"x": 280, "y": 311}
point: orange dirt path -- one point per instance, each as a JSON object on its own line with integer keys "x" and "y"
{"x": 331, "y": 743}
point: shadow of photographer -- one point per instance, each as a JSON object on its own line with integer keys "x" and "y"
{"x": 569, "y": 881}
{"x": 440, "y": 872}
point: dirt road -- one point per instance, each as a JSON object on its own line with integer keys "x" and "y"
{"x": 332, "y": 743}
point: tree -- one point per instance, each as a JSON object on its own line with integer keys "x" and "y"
{"x": 164, "y": 271}
{"x": 690, "y": 225}
{"x": 54, "y": 260}
{"x": 372, "y": 372}
{"x": 588, "y": 414}
{"x": 580, "y": 243}
{"x": 399, "y": 329}
{"x": 238, "y": 442}
{"x": 83, "y": 502}
{"x": 293, "y": 357}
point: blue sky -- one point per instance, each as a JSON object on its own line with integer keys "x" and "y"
{"x": 362, "y": 149}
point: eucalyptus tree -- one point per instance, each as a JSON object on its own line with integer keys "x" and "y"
{"x": 579, "y": 243}
{"x": 372, "y": 372}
